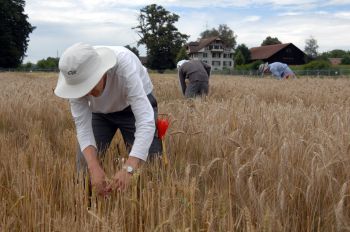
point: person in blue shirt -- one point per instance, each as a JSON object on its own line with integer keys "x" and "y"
{"x": 277, "y": 69}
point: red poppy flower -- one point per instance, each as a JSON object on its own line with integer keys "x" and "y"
{"x": 162, "y": 126}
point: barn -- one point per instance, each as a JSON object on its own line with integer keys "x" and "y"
{"x": 286, "y": 53}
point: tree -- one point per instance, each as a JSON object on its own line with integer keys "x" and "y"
{"x": 244, "y": 50}
{"x": 14, "y": 33}
{"x": 311, "y": 47}
{"x": 27, "y": 66}
{"x": 162, "y": 39}
{"x": 270, "y": 41}
{"x": 317, "y": 65}
{"x": 239, "y": 59}
{"x": 182, "y": 55}
{"x": 336, "y": 53}
{"x": 134, "y": 50}
{"x": 224, "y": 32}
{"x": 345, "y": 59}
{"x": 49, "y": 63}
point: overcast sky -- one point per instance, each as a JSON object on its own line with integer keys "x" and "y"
{"x": 61, "y": 23}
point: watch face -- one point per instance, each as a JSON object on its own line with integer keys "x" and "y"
{"x": 129, "y": 169}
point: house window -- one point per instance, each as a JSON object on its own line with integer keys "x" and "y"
{"x": 215, "y": 46}
{"x": 216, "y": 55}
{"x": 205, "y": 55}
{"x": 226, "y": 63}
{"x": 205, "y": 61}
{"x": 215, "y": 63}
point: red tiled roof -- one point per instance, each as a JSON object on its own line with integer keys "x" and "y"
{"x": 196, "y": 46}
{"x": 335, "y": 61}
{"x": 264, "y": 52}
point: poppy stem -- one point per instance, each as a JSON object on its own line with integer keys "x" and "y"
{"x": 165, "y": 158}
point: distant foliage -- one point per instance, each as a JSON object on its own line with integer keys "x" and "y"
{"x": 244, "y": 50}
{"x": 14, "y": 33}
{"x": 270, "y": 41}
{"x": 336, "y": 53}
{"x": 224, "y": 32}
{"x": 162, "y": 39}
{"x": 182, "y": 55}
{"x": 48, "y": 63}
{"x": 134, "y": 50}
{"x": 311, "y": 47}
{"x": 346, "y": 60}
{"x": 317, "y": 65}
{"x": 239, "y": 58}
{"x": 27, "y": 66}
{"x": 251, "y": 66}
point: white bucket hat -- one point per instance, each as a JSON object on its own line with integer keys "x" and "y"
{"x": 81, "y": 68}
{"x": 263, "y": 68}
{"x": 181, "y": 62}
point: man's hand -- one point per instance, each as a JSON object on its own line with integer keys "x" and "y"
{"x": 122, "y": 178}
{"x": 98, "y": 181}
{"x": 97, "y": 175}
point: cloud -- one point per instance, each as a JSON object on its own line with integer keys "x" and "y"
{"x": 343, "y": 15}
{"x": 62, "y": 23}
{"x": 252, "y": 18}
{"x": 338, "y": 2}
{"x": 290, "y": 13}
{"x": 327, "y": 30}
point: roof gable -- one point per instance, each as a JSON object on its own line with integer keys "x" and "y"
{"x": 196, "y": 46}
{"x": 264, "y": 52}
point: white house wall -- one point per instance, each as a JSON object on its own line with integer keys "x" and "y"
{"x": 214, "y": 58}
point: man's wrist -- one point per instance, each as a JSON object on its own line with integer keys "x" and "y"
{"x": 90, "y": 155}
{"x": 132, "y": 165}
{"x": 133, "y": 162}
{"x": 129, "y": 169}
{"x": 93, "y": 166}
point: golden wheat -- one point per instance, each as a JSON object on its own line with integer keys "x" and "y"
{"x": 255, "y": 155}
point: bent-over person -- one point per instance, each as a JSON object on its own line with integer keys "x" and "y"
{"x": 109, "y": 89}
{"x": 277, "y": 69}
{"x": 197, "y": 73}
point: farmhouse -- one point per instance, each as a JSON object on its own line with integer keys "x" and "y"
{"x": 211, "y": 51}
{"x": 286, "y": 53}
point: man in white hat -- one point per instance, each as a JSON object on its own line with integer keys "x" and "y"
{"x": 109, "y": 89}
{"x": 197, "y": 73}
{"x": 277, "y": 69}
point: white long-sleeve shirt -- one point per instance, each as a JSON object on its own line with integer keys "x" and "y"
{"x": 127, "y": 83}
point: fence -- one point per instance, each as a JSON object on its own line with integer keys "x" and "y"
{"x": 28, "y": 69}
{"x": 313, "y": 73}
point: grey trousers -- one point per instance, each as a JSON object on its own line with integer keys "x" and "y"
{"x": 106, "y": 125}
{"x": 197, "y": 88}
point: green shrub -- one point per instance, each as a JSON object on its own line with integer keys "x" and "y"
{"x": 251, "y": 66}
{"x": 346, "y": 60}
{"x": 317, "y": 65}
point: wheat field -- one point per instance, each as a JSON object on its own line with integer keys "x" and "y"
{"x": 255, "y": 155}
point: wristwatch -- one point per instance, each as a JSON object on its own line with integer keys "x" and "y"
{"x": 129, "y": 169}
